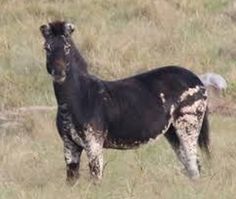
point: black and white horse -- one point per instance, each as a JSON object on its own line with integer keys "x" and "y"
{"x": 94, "y": 114}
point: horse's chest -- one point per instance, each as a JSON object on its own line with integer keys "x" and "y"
{"x": 69, "y": 128}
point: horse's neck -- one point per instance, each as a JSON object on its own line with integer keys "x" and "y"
{"x": 72, "y": 85}
{"x": 77, "y": 96}
{"x": 78, "y": 63}
{"x": 79, "y": 90}
{"x": 60, "y": 93}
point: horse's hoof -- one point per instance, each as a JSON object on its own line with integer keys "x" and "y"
{"x": 96, "y": 180}
{"x": 71, "y": 181}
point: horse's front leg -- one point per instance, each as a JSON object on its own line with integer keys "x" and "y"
{"x": 72, "y": 150}
{"x": 72, "y": 153}
{"x": 94, "y": 148}
{"x": 95, "y": 162}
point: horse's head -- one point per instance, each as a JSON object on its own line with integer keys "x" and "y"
{"x": 58, "y": 45}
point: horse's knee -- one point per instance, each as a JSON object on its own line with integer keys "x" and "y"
{"x": 72, "y": 155}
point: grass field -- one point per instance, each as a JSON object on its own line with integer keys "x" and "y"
{"x": 117, "y": 38}
{"x": 32, "y": 166}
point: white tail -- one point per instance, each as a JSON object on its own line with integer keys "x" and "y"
{"x": 213, "y": 79}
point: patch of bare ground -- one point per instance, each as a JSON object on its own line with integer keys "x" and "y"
{"x": 223, "y": 106}
{"x": 16, "y": 117}
{"x": 219, "y": 104}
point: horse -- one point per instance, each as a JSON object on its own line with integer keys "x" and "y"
{"x": 95, "y": 114}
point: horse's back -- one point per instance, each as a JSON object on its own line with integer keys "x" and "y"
{"x": 140, "y": 106}
{"x": 170, "y": 78}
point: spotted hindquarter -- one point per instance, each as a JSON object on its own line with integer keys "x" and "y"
{"x": 187, "y": 123}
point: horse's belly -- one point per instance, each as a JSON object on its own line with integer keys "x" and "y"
{"x": 133, "y": 138}
{"x": 111, "y": 143}
{"x": 117, "y": 143}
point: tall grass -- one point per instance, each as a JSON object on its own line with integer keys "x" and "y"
{"x": 117, "y": 38}
{"x": 32, "y": 166}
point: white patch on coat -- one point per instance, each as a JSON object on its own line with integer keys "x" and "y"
{"x": 172, "y": 109}
{"x": 76, "y": 138}
{"x": 67, "y": 48}
{"x": 93, "y": 141}
{"x": 162, "y": 96}
{"x": 68, "y": 155}
{"x": 71, "y": 155}
{"x": 188, "y": 128}
{"x": 189, "y": 92}
{"x": 188, "y": 132}
{"x": 199, "y": 105}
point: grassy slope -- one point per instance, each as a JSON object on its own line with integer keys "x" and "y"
{"x": 118, "y": 38}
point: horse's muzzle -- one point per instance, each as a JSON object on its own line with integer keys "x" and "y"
{"x": 58, "y": 77}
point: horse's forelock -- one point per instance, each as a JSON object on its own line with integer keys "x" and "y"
{"x": 58, "y": 28}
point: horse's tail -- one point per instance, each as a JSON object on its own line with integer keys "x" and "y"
{"x": 204, "y": 138}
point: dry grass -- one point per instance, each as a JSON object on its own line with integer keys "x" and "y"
{"x": 118, "y": 38}
{"x": 32, "y": 166}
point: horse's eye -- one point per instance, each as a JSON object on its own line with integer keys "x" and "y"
{"x": 47, "y": 47}
{"x": 67, "y": 49}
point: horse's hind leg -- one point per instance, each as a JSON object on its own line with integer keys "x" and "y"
{"x": 186, "y": 150}
{"x": 187, "y": 124}
{"x": 173, "y": 140}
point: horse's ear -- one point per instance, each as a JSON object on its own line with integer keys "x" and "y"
{"x": 69, "y": 28}
{"x": 45, "y": 30}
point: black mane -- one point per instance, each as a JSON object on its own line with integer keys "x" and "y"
{"x": 57, "y": 28}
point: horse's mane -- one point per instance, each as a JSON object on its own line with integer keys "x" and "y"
{"x": 57, "y": 28}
